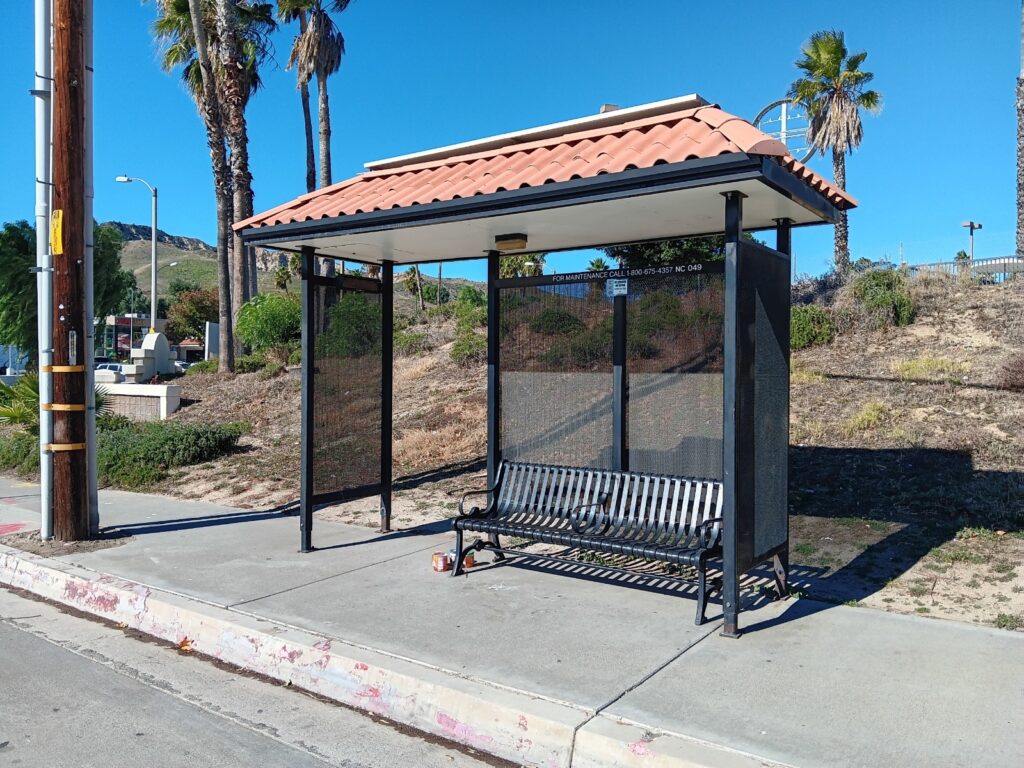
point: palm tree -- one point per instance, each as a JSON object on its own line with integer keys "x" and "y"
{"x": 832, "y": 90}
{"x": 521, "y": 265}
{"x": 192, "y": 33}
{"x": 181, "y": 29}
{"x": 597, "y": 265}
{"x": 288, "y": 11}
{"x": 317, "y": 51}
{"x": 1020, "y": 141}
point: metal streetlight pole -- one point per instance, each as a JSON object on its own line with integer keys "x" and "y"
{"x": 971, "y": 226}
{"x": 152, "y": 284}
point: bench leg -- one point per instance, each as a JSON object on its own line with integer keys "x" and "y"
{"x": 702, "y": 594}
{"x": 780, "y": 567}
{"x": 496, "y": 542}
{"x": 457, "y": 566}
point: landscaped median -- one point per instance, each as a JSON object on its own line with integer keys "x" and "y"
{"x": 512, "y": 724}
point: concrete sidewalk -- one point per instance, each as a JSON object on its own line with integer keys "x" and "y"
{"x": 541, "y": 668}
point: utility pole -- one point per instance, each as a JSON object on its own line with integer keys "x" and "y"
{"x": 67, "y": 242}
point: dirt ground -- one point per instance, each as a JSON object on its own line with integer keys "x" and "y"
{"x": 29, "y": 541}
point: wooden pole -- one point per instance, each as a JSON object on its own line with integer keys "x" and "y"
{"x": 67, "y": 235}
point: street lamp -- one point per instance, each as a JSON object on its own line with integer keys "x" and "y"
{"x": 971, "y": 225}
{"x": 152, "y": 285}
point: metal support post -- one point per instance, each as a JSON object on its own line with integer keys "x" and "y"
{"x": 733, "y": 485}
{"x": 308, "y": 363}
{"x": 387, "y": 300}
{"x": 493, "y": 370}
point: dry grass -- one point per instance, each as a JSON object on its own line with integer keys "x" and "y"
{"x": 871, "y": 415}
{"x": 929, "y": 367}
{"x": 805, "y": 376}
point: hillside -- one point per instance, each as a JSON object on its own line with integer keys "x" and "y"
{"x": 907, "y": 482}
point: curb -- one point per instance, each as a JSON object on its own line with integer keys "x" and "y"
{"x": 515, "y": 725}
{"x": 510, "y": 724}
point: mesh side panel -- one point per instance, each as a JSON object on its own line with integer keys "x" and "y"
{"x": 675, "y": 361}
{"x": 771, "y": 398}
{"x": 346, "y": 390}
{"x": 556, "y": 374}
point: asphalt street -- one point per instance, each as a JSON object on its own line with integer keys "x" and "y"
{"x": 78, "y": 694}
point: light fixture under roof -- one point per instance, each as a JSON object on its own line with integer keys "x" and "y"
{"x": 511, "y": 242}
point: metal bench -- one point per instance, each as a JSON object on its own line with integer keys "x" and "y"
{"x": 674, "y": 520}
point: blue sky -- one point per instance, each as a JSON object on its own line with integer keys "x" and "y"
{"x": 419, "y": 75}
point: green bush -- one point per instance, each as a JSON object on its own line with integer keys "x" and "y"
{"x": 203, "y": 366}
{"x": 809, "y": 325}
{"x": 353, "y": 328}
{"x": 295, "y": 358}
{"x": 469, "y": 348}
{"x": 470, "y": 296}
{"x": 442, "y": 312}
{"x": 430, "y": 293}
{"x": 249, "y": 363}
{"x": 269, "y": 319}
{"x": 410, "y": 342}
{"x": 20, "y": 452}
{"x": 270, "y": 370}
{"x": 469, "y": 316}
{"x": 108, "y": 422}
{"x": 885, "y": 296}
{"x": 140, "y": 454}
{"x": 553, "y": 321}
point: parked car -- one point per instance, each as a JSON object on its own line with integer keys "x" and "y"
{"x": 110, "y": 367}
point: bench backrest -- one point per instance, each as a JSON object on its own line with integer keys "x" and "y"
{"x": 655, "y": 508}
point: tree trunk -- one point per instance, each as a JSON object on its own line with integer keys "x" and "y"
{"x": 324, "y": 120}
{"x": 419, "y": 286}
{"x": 842, "y": 250}
{"x": 233, "y": 88}
{"x": 225, "y": 336}
{"x": 438, "y": 302}
{"x": 307, "y": 121}
{"x": 209, "y": 109}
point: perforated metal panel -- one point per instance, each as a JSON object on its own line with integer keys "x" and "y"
{"x": 346, "y": 390}
{"x": 556, "y": 374}
{"x": 675, "y": 359}
{"x": 771, "y": 398}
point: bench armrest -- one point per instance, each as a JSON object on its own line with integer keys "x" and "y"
{"x": 476, "y": 510}
{"x": 580, "y": 525}
{"x": 703, "y": 538}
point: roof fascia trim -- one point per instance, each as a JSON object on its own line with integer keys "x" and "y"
{"x": 699, "y": 172}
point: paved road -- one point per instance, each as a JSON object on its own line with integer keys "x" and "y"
{"x": 78, "y": 694}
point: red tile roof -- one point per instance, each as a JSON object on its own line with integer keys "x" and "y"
{"x": 701, "y": 132}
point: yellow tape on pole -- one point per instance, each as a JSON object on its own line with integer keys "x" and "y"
{"x": 58, "y": 447}
{"x": 62, "y": 368}
{"x": 62, "y": 407}
{"x": 57, "y": 232}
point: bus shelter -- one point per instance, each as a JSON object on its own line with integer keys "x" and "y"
{"x": 679, "y": 369}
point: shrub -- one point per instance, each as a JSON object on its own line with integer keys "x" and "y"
{"x": 552, "y": 321}
{"x": 269, "y": 319}
{"x": 928, "y": 367}
{"x": 410, "y": 342}
{"x": 140, "y": 454}
{"x": 470, "y": 296}
{"x": 109, "y": 422}
{"x": 20, "y": 452}
{"x": 203, "y": 366}
{"x": 295, "y": 358}
{"x": 249, "y": 363}
{"x": 442, "y": 312}
{"x": 885, "y": 296}
{"x": 810, "y": 325}
{"x": 469, "y": 348}
{"x": 353, "y": 328}
{"x": 1012, "y": 375}
{"x": 270, "y": 370}
{"x": 430, "y": 293}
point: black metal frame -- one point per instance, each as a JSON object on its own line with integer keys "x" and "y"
{"x": 309, "y": 499}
